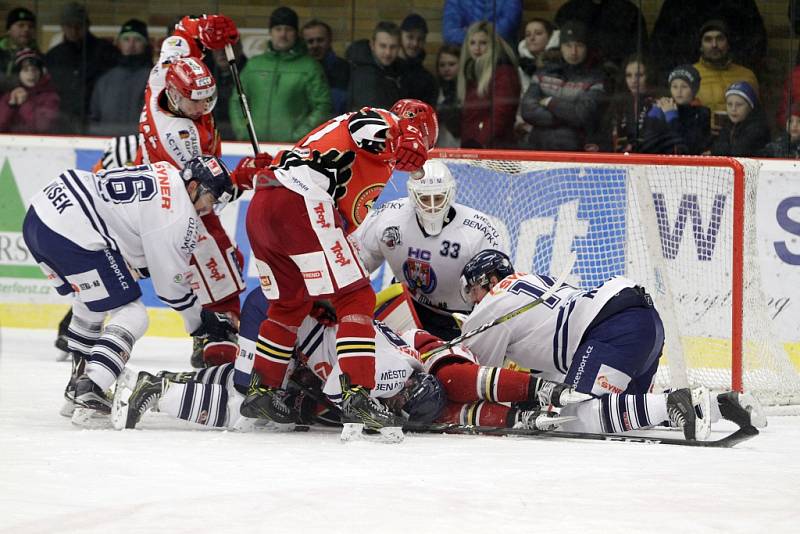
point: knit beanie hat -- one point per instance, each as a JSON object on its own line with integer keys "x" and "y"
{"x": 283, "y": 16}
{"x": 134, "y": 27}
{"x": 414, "y": 22}
{"x": 714, "y": 24}
{"x": 19, "y": 13}
{"x": 572, "y": 30}
{"x": 744, "y": 90}
{"x": 28, "y": 55}
{"x": 688, "y": 74}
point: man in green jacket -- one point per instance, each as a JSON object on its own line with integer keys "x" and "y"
{"x": 285, "y": 87}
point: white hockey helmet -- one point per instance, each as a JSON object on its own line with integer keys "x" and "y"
{"x": 432, "y": 195}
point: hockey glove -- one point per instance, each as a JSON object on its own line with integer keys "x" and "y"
{"x": 216, "y": 31}
{"x": 554, "y": 394}
{"x": 411, "y": 152}
{"x": 244, "y": 174}
{"x": 324, "y": 312}
{"x": 215, "y": 326}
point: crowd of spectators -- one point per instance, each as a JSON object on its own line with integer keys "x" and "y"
{"x": 588, "y": 79}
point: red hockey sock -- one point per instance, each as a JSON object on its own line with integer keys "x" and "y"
{"x": 469, "y": 382}
{"x": 273, "y": 352}
{"x": 477, "y": 414}
{"x": 355, "y": 339}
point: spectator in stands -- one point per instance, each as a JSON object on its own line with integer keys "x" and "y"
{"x": 718, "y": 71}
{"x": 617, "y": 27}
{"x": 375, "y": 77}
{"x": 32, "y": 107}
{"x": 787, "y": 144}
{"x": 418, "y": 82}
{"x": 674, "y": 39}
{"x": 447, "y": 107}
{"x": 564, "y": 99}
{"x": 76, "y": 64}
{"x": 21, "y": 34}
{"x": 531, "y": 52}
{"x": 678, "y": 124}
{"x": 318, "y": 37}
{"x": 218, "y": 64}
{"x": 285, "y": 87}
{"x": 118, "y": 95}
{"x": 747, "y": 132}
{"x": 459, "y": 15}
{"x": 627, "y": 109}
{"x": 488, "y": 89}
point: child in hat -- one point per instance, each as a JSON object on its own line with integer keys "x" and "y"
{"x": 787, "y": 144}
{"x": 33, "y": 106}
{"x": 678, "y": 124}
{"x": 747, "y": 131}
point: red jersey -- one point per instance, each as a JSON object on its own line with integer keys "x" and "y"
{"x": 165, "y": 136}
{"x": 348, "y": 159}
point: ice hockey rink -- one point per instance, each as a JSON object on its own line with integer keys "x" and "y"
{"x": 167, "y": 477}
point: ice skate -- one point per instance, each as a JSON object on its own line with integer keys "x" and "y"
{"x": 741, "y": 408}
{"x": 262, "y": 402}
{"x": 68, "y": 407}
{"x": 181, "y": 376}
{"x": 363, "y": 416}
{"x": 92, "y": 406}
{"x": 144, "y": 397}
{"x": 539, "y": 420}
{"x": 689, "y": 410}
{"x": 197, "y": 361}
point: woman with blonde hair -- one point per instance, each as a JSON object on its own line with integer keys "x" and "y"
{"x": 488, "y": 89}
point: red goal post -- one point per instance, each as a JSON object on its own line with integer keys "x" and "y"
{"x": 716, "y": 193}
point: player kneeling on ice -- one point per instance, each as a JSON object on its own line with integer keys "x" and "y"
{"x": 218, "y": 396}
{"x": 427, "y": 239}
{"x": 592, "y": 353}
{"x": 95, "y": 235}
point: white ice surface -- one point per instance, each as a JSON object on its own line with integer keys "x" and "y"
{"x": 165, "y": 477}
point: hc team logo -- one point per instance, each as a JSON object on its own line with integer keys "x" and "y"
{"x": 419, "y": 275}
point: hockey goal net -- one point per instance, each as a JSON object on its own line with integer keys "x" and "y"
{"x": 683, "y": 227}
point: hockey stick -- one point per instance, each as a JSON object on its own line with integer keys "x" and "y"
{"x": 742, "y": 434}
{"x": 242, "y": 98}
{"x": 510, "y": 315}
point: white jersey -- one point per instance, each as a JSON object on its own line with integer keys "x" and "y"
{"x": 395, "y": 360}
{"x": 143, "y": 212}
{"x": 430, "y": 265}
{"x": 543, "y": 339}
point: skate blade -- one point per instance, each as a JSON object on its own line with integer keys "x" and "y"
{"x": 88, "y": 418}
{"x": 750, "y": 403}
{"x": 356, "y": 432}
{"x": 702, "y": 429}
{"x": 62, "y": 356}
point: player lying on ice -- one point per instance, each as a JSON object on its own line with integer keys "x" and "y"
{"x": 94, "y": 235}
{"x": 216, "y": 396}
{"x": 604, "y": 343}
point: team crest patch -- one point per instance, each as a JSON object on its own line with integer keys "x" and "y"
{"x": 419, "y": 275}
{"x": 183, "y": 134}
{"x": 364, "y": 201}
{"x": 391, "y": 237}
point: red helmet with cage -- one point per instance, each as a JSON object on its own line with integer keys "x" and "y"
{"x": 420, "y": 115}
{"x": 191, "y": 87}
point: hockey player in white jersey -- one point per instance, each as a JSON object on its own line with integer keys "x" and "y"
{"x": 426, "y": 239}
{"x": 94, "y": 235}
{"x": 603, "y": 344}
{"x": 214, "y": 397}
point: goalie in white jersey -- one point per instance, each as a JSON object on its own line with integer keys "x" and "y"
{"x": 214, "y": 396}
{"x": 603, "y": 344}
{"x": 426, "y": 239}
{"x": 95, "y": 235}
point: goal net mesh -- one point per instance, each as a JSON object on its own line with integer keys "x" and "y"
{"x": 669, "y": 227}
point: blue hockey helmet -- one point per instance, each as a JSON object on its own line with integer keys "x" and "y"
{"x": 212, "y": 176}
{"x": 477, "y": 270}
{"x": 423, "y": 398}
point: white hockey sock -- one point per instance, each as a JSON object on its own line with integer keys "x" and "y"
{"x": 84, "y": 329}
{"x": 205, "y": 404}
{"x": 616, "y": 413}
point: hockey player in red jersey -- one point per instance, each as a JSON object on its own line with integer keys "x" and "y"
{"x": 304, "y": 207}
{"x": 176, "y": 125}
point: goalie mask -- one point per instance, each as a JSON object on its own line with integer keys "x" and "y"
{"x": 432, "y": 194}
{"x": 477, "y": 271}
{"x": 191, "y": 88}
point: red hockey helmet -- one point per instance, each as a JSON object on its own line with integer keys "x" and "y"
{"x": 420, "y": 115}
{"x": 191, "y": 87}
